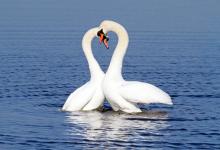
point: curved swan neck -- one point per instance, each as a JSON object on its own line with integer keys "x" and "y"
{"x": 94, "y": 67}
{"x": 115, "y": 66}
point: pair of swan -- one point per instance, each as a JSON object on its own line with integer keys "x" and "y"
{"x": 122, "y": 95}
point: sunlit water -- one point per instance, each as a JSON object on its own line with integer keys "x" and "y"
{"x": 40, "y": 66}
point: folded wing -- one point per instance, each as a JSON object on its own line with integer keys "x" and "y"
{"x": 140, "y": 92}
{"x": 79, "y": 98}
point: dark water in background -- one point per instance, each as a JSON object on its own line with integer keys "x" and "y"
{"x": 173, "y": 45}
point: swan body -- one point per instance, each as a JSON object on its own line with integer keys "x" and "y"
{"x": 90, "y": 95}
{"x": 124, "y": 95}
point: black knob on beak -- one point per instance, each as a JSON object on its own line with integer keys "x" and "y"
{"x": 100, "y": 32}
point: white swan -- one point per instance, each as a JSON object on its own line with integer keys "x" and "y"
{"x": 124, "y": 95}
{"x": 89, "y": 96}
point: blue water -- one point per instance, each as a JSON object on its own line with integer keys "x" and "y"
{"x": 173, "y": 45}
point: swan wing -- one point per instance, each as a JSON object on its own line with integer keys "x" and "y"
{"x": 79, "y": 98}
{"x": 97, "y": 100}
{"x": 140, "y": 92}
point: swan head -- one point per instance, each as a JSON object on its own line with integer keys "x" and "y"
{"x": 103, "y": 38}
{"x": 106, "y": 25}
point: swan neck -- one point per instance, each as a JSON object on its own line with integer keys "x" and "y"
{"x": 115, "y": 67}
{"x": 94, "y": 67}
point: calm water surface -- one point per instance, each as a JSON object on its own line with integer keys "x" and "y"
{"x": 41, "y": 64}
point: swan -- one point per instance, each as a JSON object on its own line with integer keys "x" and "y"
{"x": 124, "y": 95}
{"x": 90, "y": 95}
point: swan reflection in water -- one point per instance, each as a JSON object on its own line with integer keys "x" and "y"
{"x": 110, "y": 125}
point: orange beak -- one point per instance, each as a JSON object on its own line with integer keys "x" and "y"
{"x": 101, "y": 38}
{"x": 106, "y": 43}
